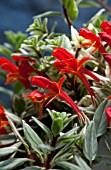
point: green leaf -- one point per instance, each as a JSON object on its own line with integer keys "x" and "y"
{"x": 15, "y": 39}
{"x": 5, "y": 51}
{"x": 34, "y": 168}
{"x": 13, "y": 117}
{"x": 68, "y": 134}
{"x": 67, "y": 165}
{"x": 6, "y": 91}
{"x": 33, "y": 139}
{"x": 7, "y": 139}
{"x": 10, "y": 36}
{"x": 65, "y": 42}
{"x": 13, "y": 163}
{"x": 8, "y": 150}
{"x": 105, "y": 159}
{"x": 100, "y": 118}
{"x": 18, "y": 87}
{"x": 71, "y": 8}
{"x": 31, "y": 135}
{"x": 17, "y": 134}
{"x": 82, "y": 164}
{"x": 44, "y": 128}
{"x": 57, "y": 126}
{"x": 90, "y": 142}
{"x": 67, "y": 120}
{"x": 65, "y": 149}
{"x": 85, "y": 3}
{"x": 46, "y": 148}
{"x": 39, "y": 29}
{"x": 19, "y": 104}
{"x": 96, "y": 16}
{"x": 49, "y": 13}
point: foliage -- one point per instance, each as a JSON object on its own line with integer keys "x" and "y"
{"x": 61, "y": 93}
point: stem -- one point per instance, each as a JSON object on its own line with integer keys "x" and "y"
{"x": 66, "y": 16}
{"x": 79, "y": 149}
{"x": 102, "y": 4}
{"x": 50, "y": 156}
{"x": 77, "y": 52}
{"x": 38, "y": 53}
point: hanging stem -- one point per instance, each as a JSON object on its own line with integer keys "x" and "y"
{"x": 66, "y": 16}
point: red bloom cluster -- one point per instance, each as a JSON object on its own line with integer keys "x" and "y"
{"x": 96, "y": 41}
{"x": 67, "y": 63}
{"x": 21, "y": 72}
{"x": 3, "y": 121}
{"x": 54, "y": 90}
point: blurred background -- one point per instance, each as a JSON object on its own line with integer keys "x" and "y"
{"x": 17, "y": 15}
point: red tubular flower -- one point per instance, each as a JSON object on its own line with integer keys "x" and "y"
{"x": 21, "y": 73}
{"x": 108, "y": 113}
{"x": 3, "y": 121}
{"x": 19, "y": 57}
{"x": 36, "y": 97}
{"x": 105, "y": 37}
{"x": 107, "y": 57}
{"x": 68, "y": 64}
{"x": 95, "y": 41}
{"x": 54, "y": 90}
{"x": 106, "y": 27}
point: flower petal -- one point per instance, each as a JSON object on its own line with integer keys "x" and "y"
{"x": 3, "y": 123}
{"x": 108, "y": 113}
{"x": 89, "y": 73}
{"x": 19, "y": 57}
{"x": 107, "y": 57}
{"x": 68, "y": 100}
{"x": 105, "y": 37}
{"x": 87, "y": 34}
{"x": 7, "y": 65}
{"x": 86, "y": 83}
{"x": 44, "y": 83}
{"x": 65, "y": 57}
{"x": 82, "y": 61}
{"x": 106, "y": 27}
{"x": 62, "y": 79}
{"x": 35, "y": 96}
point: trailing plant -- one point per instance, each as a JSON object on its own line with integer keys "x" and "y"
{"x": 60, "y": 93}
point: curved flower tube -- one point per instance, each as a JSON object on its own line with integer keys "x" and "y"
{"x": 54, "y": 90}
{"x": 69, "y": 64}
{"x": 107, "y": 58}
{"x": 108, "y": 113}
{"x": 106, "y": 27}
{"x": 21, "y": 72}
{"x": 105, "y": 37}
{"x": 19, "y": 57}
{"x": 36, "y": 97}
{"x": 95, "y": 40}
